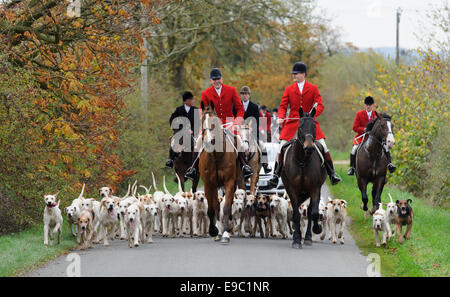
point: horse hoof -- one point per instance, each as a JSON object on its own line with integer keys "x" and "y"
{"x": 213, "y": 231}
{"x": 307, "y": 242}
{"x": 317, "y": 229}
{"x": 296, "y": 245}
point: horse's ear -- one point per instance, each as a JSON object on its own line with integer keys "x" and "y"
{"x": 300, "y": 112}
{"x": 202, "y": 105}
{"x": 313, "y": 112}
{"x": 378, "y": 115}
{"x": 212, "y": 105}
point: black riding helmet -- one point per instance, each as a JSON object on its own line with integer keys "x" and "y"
{"x": 369, "y": 101}
{"x": 299, "y": 67}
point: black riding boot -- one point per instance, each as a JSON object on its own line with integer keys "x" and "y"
{"x": 246, "y": 170}
{"x": 391, "y": 167}
{"x": 169, "y": 162}
{"x": 351, "y": 170}
{"x": 276, "y": 173}
{"x": 330, "y": 169}
{"x": 192, "y": 172}
{"x": 264, "y": 164}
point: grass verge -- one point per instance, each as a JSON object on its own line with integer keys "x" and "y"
{"x": 25, "y": 251}
{"x": 427, "y": 253}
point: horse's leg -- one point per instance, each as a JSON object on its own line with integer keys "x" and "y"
{"x": 362, "y": 185}
{"x": 315, "y": 200}
{"x": 377, "y": 190}
{"x": 213, "y": 209}
{"x": 230, "y": 188}
{"x": 297, "y": 237}
{"x": 195, "y": 184}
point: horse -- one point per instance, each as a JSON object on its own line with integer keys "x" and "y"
{"x": 303, "y": 175}
{"x": 371, "y": 161}
{"x": 253, "y": 155}
{"x": 183, "y": 161}
{"x": 218, "y": 167}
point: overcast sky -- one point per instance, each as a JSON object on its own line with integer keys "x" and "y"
{"x": 371, "y": 23}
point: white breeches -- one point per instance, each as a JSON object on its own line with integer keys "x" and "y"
{"x": 321, "y": 141}
{"x": 354, "y": 148}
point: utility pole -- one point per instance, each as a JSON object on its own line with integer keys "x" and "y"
{"x": 397, "y": 49}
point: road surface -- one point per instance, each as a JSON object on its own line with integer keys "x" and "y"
{"x": 244, "y": 257}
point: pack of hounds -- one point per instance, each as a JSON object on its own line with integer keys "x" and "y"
{"x": 136, "y": 217}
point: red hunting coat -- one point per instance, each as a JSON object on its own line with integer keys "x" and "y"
{"x": 295, "y": 100}
{"x": 361, "y": 121}
{"x": 223, "y": 105}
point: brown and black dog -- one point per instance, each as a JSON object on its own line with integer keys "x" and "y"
{"x": 262, "y": 212}
{"x": 405, "y": 217}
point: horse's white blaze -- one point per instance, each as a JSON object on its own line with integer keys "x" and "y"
{"x": 208, "y": 131}
{"x": 390, "y": 138}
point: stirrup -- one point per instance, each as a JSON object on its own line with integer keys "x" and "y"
{"x": 267, "y": 168}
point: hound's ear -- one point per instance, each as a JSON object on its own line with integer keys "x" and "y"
{"x": 212, "y": 105}
{"x": 313, "y": 112}
{"x": 202, "y": 105}
{"x": 409, "y": 201}
{"x": 396, "y": 202}
{"x": 300, "y": 112}
{"x": 345, "y": 203}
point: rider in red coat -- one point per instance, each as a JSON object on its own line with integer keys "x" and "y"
{"x": 363, "y": 117}
{"x": 224, "y": 99}
{"x": 305, "y": 95}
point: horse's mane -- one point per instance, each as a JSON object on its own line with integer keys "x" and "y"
{"x": 373, "y": 121}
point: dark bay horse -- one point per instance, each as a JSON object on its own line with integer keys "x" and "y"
{"x": 218, "y": 167}
{"x": 183, "y": 161}
{"x": 303, "y": 175}
{"x": 371, "y": 161}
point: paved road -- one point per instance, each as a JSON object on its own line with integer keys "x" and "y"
{"x": 203, "y": 257}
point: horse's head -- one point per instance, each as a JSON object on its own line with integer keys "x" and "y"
{"x": 246, "y": 135}
{"x": 383, "y": 130}
{"x": 209, "y": 122}
{"x": 306, "y": 132}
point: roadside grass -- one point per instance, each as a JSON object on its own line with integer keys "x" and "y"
{"x": 25, "y": 251}
{"x": 338, "y": 154}
{"x": 426, "y": 253}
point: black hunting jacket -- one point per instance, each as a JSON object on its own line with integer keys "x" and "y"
{"x": 252, "y": 111}
{"x": 193, "y": 113}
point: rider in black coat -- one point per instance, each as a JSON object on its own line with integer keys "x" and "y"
{"x": 189, "y": 111}
{"x": 252, "y": 110}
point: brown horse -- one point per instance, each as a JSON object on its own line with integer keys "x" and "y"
{"x": 252, "y": 154}
{"x": 303, "y": 175}
{"x": 218, "y": 167}
{"x": 371, "y": 161}
{"x": 183, "y": 161}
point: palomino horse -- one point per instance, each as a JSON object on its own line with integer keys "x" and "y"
{"x": 218, "y": 167}
{"x": 183, "y": 161}
{"x": 371, "y": 161}
{"x": 252, "y": 155}
{"x": 303, "y": 175}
